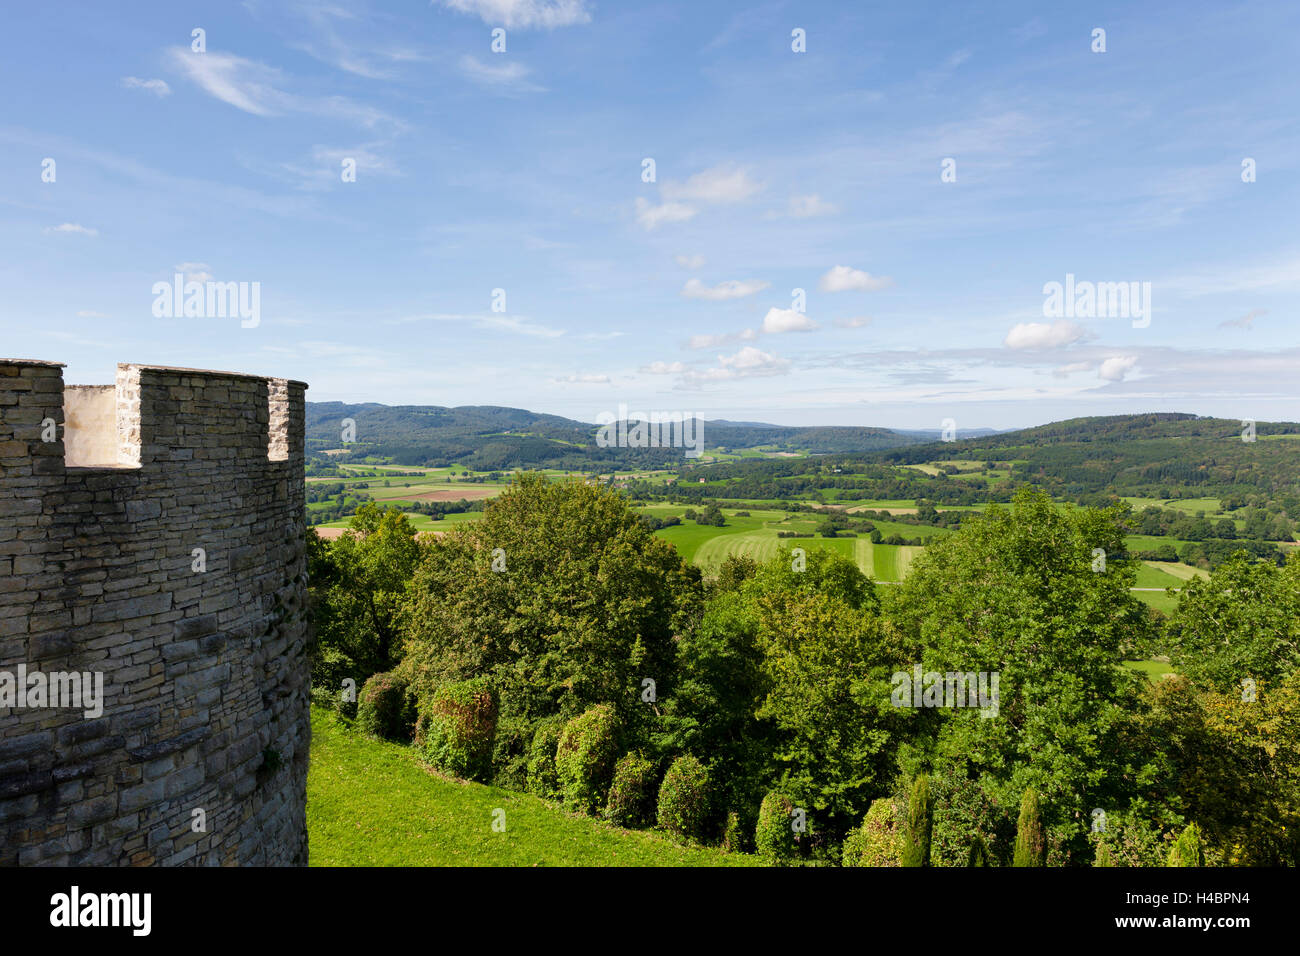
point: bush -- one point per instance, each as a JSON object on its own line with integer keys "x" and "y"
{"x": 457, "y": 727}
{"x": 542, "y": 778}
{"x": 920, "y": 815}
{"x": 979, "y": 852}
{"x": 1187, "y": 850}
{"x": 584, "y": 757}
{"x": 684, "y": 799}
{"x": 878, "y": 841}
{"x": 774, "y": 837}
{"x": 1031, "y": 840}
{"x": 385, "y": 708}
{"x": 510, "y": 751}
{"x": 631, "y": 795}
{"x": 733, "y": 835}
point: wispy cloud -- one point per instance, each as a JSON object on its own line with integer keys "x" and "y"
{"x": 650, "y": 216}
{"x": 846, "y": 279}
{"x": 731, "y": 289}
{"x": 508, "y": 78}
{"x": 158, "y": 88}
{"x": 1044, "y": 335}
{"x": 73, "y": 228}
{"x": 1246, "y": 321}
{"x": 524, "y": 14}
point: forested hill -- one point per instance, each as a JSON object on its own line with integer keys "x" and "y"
{"x": 1134, "y": 454}
{"x": 492, "y": 437}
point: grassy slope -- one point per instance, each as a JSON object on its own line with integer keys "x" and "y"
{"x": 370, "y": 803}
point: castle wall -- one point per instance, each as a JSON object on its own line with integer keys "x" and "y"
{"x": 174, "y": 566}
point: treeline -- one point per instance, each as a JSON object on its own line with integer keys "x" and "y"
{"x": 558, "y": 647}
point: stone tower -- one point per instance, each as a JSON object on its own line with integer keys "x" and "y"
{"x": 152, "y": 538}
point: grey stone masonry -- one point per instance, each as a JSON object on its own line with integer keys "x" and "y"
{"x": 174, "y": 566}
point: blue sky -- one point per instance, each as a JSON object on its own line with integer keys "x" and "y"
{"x": 775, "y": 170}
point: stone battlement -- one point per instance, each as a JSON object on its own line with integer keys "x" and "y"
{"x": 152, "y": 531}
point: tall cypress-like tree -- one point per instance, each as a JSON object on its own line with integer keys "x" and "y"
{"x": 979, "y": 852}
{"x": 1187, "y": 849}
{"x": 920, "y": 817}
{"x": 1031, "y": 840}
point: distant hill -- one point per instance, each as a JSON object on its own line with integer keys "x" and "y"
{"x": 490, "y": 437}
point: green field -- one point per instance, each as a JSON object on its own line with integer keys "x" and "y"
{"x": 371, "y": 803}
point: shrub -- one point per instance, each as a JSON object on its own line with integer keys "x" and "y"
{"x": 457, "y": 728}
{"x": 684, "y": 799}
{"x": 385, "y": 708}
{"x": 1031, "y": 841}
{"x": 878, "y": 841}
{"x": 920, "y": 815}
{"x": 631, "y": 795}
{"x": 542, "y": 778}
{"x": 510, "y": 753}
{"x": 979, "y": 852}
{"x": 1187, "y": 849}
{"x": 733, "y": 834}
{"x": 774, "y": 837}
{"x": 584, "y": 757}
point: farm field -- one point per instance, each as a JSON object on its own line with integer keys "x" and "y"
{"x": 405, "y": 815}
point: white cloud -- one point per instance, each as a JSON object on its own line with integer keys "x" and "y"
{"x": 1065, "y": 371}
{"x": 651, "y": 216}
{"x": 721, "y": 184}
{"x": 749, "y": 362}
{"x": 1246, "y": 321}
{"x": 731, "y": 289}
{"x": 664, "y": 368}
{"x": 524, "y": 14}
{"x": 1042, "y": 335}
{"x": 582, "y": 380}
{"x": 806, "y": 207}
{"x": 157, "y": 87}
{"x": 689, "y": 262}
{"x": 845, "y": 279}
{"x": 255, "y": 88}
{"x": 510, "y": 77}
{"x": 787, "y": 320}
{"x": 195, "y": 271}
{"x": 853, "y": 322}
{"x": 76, "y": 228}
{"x": 1116, "y": 367}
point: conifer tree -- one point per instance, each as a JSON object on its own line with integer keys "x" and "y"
{"x": 1031, "y": 841}
{"x": 920, "y": 817}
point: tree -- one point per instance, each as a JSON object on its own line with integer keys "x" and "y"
{"x": 920, "y": 818}
{"x": 561, "y": 596}
{"x": 358, "y": 582}
{"x": 1244, "y": 622}
{"x": 1018, "y": 595}
{"x": 1031, "y": 840}
{"x": 1187, "y": 849}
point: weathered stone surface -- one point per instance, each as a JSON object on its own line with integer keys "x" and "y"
{"x": 202, "y": 670}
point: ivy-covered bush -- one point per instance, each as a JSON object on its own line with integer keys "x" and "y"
{"x": 510, "y": 753}
{"x": 457, "y": 727}
{"x": 684, "y": 799}
{"x": 584, "y": 757}
{"x": 542, "y": 777}
{"x": 878, "y": 841}
{"x": 774, "y": 837}
{"x": 385, "y": 708}
{"x": 631, "y": 795}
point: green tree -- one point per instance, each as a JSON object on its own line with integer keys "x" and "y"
{"x": 1031, "y": 840}
{"x": 920, "y": 818}
{"x": 1187, "y": 849}
{"x": 358, "y": 584}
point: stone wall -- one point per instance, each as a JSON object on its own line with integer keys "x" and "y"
{"x": 176, "y": 569}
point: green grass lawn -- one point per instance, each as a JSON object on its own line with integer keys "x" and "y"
{"x": 370, "y": 803}
{"x": 1155, "y": 670}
